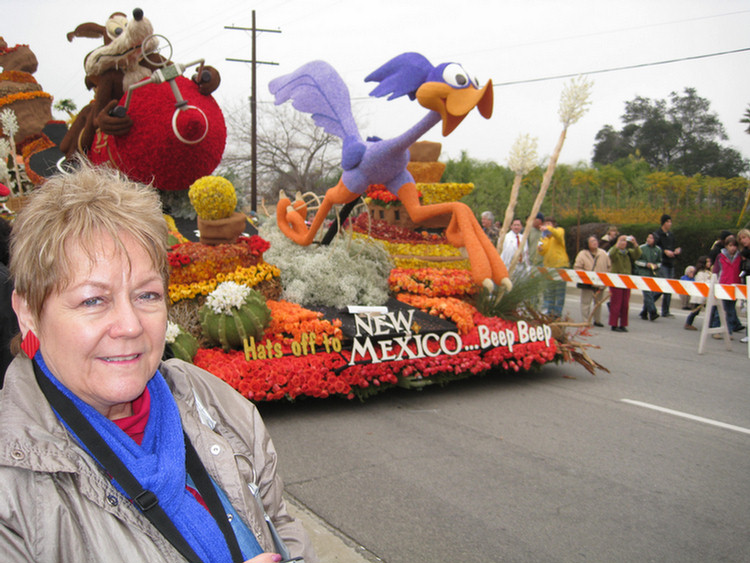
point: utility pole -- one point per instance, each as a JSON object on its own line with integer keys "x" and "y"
{"x": 253, "y": 109}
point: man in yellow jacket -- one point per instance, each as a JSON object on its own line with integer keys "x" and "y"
{"x": 552, "y": 249}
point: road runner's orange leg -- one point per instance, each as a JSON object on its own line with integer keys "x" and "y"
{"x": 463, "y": 231}
{"x": 291, "y": 216}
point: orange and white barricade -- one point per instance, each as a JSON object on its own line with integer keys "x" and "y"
{"x": 712, "y": 292}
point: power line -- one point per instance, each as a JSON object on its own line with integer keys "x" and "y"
{"x": 599, "y": 33}
{"x": 619, "y": 68}
{"x": 601, "y": 71}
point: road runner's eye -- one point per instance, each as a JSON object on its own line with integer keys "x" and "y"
{"x": 456, "y": 76}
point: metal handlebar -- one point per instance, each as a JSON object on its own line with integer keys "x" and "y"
{"x": 168, "y": 73}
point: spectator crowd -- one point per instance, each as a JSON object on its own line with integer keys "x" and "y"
{"x": 728, "y": 258}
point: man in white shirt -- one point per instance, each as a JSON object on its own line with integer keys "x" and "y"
{"x": 511, "y": 242}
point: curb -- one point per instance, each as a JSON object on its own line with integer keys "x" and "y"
{"x": 331, "y": 546}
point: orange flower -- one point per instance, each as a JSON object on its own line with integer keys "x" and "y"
{"x": 432, "y": 282}
{"x": 460, "y": 312}
{"x": 20, "y": 96}
{"x": 289, "y": 321}
{"x": 203, "y": 262}
{"x": 17, "y": 76}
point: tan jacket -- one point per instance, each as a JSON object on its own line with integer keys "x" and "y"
{"x": 57, "y": 505}
{"x": 598, "y": 262}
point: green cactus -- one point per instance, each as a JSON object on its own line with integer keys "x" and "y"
{"x": 184, "y": 346}
{"x": 181, "y": 343}
{"x": 229, "y": 329}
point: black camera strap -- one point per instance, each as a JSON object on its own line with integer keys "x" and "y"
{"x": 207, "y": 490}
{"x": 144, "y": 499}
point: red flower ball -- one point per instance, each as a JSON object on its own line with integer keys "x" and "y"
{"x": 152, "y": 151}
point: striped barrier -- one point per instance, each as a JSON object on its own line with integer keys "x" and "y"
{"x": 645, "y": 283}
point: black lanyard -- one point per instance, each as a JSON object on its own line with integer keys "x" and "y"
{"x": 207, "y": 490}
{"x": 144, "y": 499}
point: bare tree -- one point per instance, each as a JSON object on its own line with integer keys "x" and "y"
{"x": 293, "y": 153}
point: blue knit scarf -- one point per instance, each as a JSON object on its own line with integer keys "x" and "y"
{"x": 158, "y": 464}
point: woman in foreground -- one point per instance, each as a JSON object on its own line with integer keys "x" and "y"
{"x": 107, "y": 453}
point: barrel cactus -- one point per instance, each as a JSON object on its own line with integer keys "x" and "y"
{"x": 213, "y": 197}
{"x": 233, "y": 313}
{"x": 183, "y": 344}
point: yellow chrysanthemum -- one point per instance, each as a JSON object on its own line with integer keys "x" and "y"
{"x": 250, "y": 277}
{"x": 443, "y": 192}
{"x": 213, "y": 197}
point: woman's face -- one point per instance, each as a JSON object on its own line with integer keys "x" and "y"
{"x": 593, "y": 243}
{"x": 102, "y": 335}
{"x": 744, "y": 240}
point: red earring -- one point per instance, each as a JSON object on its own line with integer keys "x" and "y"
{"x": 30, "y": 344}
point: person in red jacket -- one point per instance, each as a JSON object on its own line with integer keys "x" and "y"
{"x": 727, "y": 267}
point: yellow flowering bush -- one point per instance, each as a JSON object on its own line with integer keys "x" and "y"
{"x": 396, "y": 249}
{"x": 445, "y": 192}
{"x": 417, "y": 263}
{"x": 641, "y": 214}
{"x": 630, "y": 215}
{"x": 213, "y": 197}
{"x": 250, "y": 277}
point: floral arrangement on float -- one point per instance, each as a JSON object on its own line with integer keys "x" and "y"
{"x": 377, "y": 306}
{"x": 28, "y": 133}
{"x": 311, "y": 345}
{"x": 215, "y": 200}
{"x": 280, "y": 331}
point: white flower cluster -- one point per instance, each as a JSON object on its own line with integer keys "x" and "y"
{"x": 349, "y": 271}
{"x": 574, "y": 100}
{"x": 9, "y": 122}
{"x": 226, "y": 296}
{"x": 173, "y": 331}
{"x": 522, "y": 157}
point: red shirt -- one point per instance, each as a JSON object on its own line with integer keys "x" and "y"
{"x": 135, "y": 424}
{"x": 135, "y": 427}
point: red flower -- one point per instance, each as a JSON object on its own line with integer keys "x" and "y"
{"x": 256, "y": 244}
{"x": 385, "y": 231}
{"x": 324, "y": 374}
{"x": 379, "y": 193}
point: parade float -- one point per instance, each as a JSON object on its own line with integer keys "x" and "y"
{"x": 382, "y": 306}
{"x": 391, "y": 282}
{"x": 399, "y": 287}
{"x": 28, "y": 133}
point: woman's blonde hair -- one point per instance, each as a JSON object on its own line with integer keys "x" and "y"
{"x": 81, "y": 207}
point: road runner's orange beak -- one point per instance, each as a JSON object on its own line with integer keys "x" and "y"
{"x": 454, "y": 104}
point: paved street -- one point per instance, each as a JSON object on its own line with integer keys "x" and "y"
{"x": 552, "y": 466}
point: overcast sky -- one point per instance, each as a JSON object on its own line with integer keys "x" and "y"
{"x": 506, "y": 41}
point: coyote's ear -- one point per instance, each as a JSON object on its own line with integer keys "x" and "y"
{"x": 89, "y": 29}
